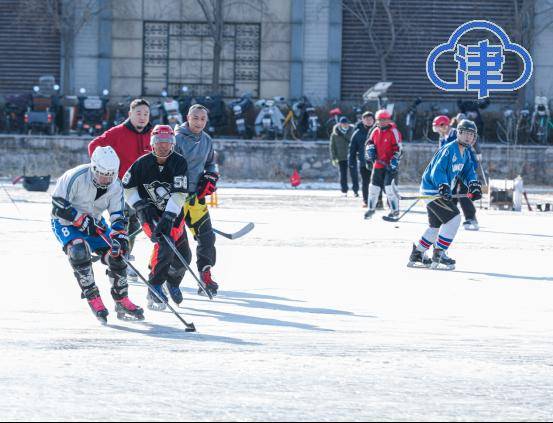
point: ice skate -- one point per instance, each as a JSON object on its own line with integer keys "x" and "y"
{"x": 126, "y": 310}
{"x": 155, "y": 303}
{"x": 174, "y": 292}
{"x": 210, "y": 284}
{"x": 98, "y": 308}
{"x": 440, "y": 260}
{"x": 418, "y": 258}
{"x": 471, "y": 225}
{"x": 369, "y": 214}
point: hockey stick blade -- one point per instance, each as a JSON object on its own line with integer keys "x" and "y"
{"x": 239, "y": 234}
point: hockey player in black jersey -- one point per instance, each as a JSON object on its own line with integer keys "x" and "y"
{"x": 156, "y": 186}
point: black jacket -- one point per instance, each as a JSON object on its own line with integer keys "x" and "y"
{"x": 357, "y": 145}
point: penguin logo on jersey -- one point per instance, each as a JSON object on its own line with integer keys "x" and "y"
{"x": 159, "y": 192}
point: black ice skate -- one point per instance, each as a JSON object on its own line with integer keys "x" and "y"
{"x": 471, "y": 225}
{"x": 418, "y": 259}
{"x": 126, "y": 310}
{"x": 440, "y": 261}
{"x": 369, "y": 214}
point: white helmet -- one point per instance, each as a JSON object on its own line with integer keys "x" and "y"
{"x": 104, "y": 165}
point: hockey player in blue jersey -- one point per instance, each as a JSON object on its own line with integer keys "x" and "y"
{"x": 451, "y": 163}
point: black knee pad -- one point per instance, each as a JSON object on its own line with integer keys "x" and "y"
{"x": 117, "y": 265}
{"x": 79, "y": 253}
{"x": 175, "y": 275}
{"x": 206, "y": 237}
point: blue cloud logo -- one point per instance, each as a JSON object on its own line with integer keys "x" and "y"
{"x": 479, "y": 66}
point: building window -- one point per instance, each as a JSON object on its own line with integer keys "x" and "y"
{"x": 181, "y": 53}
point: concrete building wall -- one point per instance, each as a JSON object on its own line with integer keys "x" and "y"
{"x": 273, "y": 160}
{"x": 315, "y": 58}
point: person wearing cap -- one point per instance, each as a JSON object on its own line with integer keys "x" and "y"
{"x": 357, "y": 159}
{"x": 339, "y": 148}
{"x": 383, "y": 148}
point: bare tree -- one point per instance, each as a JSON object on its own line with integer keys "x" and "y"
{"x": 382, "y": 40}
{"x": 215, "y": 12}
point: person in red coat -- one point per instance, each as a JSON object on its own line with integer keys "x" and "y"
{"x": 130, "y": 140}
{"x": 383, "y": 148}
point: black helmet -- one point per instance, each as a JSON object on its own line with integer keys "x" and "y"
{"x": 467, "y": 125}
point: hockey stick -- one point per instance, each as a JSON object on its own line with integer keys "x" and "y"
{"x": 235, "y": 235}
{"x": 238, "y": 234}
{"x": 527, "y": 202}
{"x": 433, "y": 197}
{"x": 189, "y": 326}
{"x": 201, "y": 283}
{"x": 395, "y": 219}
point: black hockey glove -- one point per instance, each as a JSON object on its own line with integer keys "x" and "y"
{"x": 475, "y": 190}
{"x": 87, "y": 225}
{"x": 444, "y": 191}
{"x": 145, "y": 211}
{"x": 164, "y": 225}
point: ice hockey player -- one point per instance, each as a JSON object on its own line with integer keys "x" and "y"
{"x": 156, "y": 186}
{"x": 447, "y": 133}
{"x": 383, "y": 148}
{"x": 81, "y": 196}
{"x": 197, "y": 148}
{"x": 450, "y": 163}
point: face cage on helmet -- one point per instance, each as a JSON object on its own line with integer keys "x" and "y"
{"x": 469, "y": 144}
{"x": 102, "y": 180}
{"x": 173, "y": 142}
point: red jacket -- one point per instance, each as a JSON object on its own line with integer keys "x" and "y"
{"x": 387, "y": 142}
{"x": 127, "y": 143}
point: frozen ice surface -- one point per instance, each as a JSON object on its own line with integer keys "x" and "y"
{"x": 318, "y": 318}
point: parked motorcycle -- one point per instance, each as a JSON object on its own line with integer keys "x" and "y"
{"x": 270, "y": 120}
{"x": 239, "y": 109}
{"x": 40, "y": 116}
{"x": 217, "y": 113}
{"x": 92, "y": 116}
{"x": 185, "y": 100}
{"x": 171, "y": 113}
{"x": 313, "y": 123}
{"x": 121, "y": 111}
{"x": 541, "y": 120}
{"x": 14, "y": 112}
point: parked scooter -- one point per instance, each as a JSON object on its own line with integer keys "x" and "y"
{"x": 40, "y": 116}
{"x": 171, "y": 112}
{"x": 185, "y": 100}
{"x": 541, "y": 121}
{"x": 269, "y": 121}
{"x": 239, "y": 109}
{"x": 14, "y": 112}
{"x": 121, "y": 111}
{"x": 92, "y": 113}
{"x": 313, "y": 123}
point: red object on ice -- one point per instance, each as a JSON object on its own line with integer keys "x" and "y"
{"x": 295, "y": 179}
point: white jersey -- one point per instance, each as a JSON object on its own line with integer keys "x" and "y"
{"x": 76, "y": 187}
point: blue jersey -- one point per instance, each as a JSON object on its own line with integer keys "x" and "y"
{"x": 446, "y": 167}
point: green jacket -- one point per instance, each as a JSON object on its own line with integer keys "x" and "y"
{"x": 339, "y": 143}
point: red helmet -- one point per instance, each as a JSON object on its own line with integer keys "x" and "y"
{"x": 162, "y": 133}
{"x": 440, "y": 120}
{"x": 383, "y": 114}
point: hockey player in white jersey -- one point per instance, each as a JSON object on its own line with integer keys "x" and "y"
{"x": 81, "y": 195}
